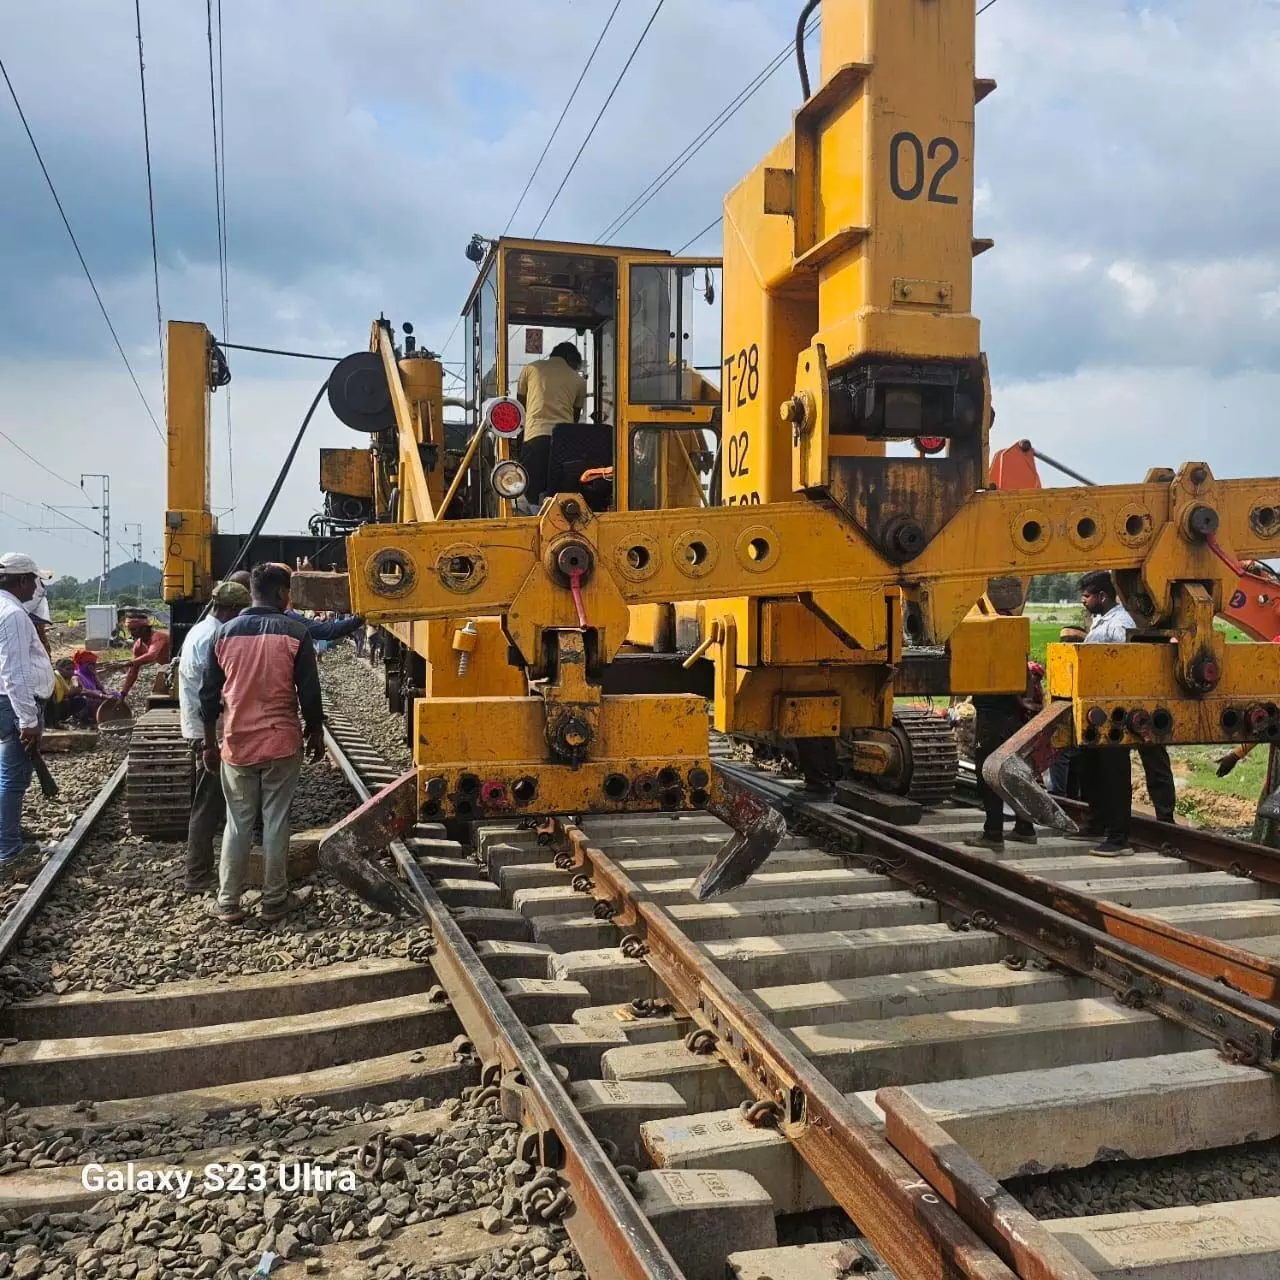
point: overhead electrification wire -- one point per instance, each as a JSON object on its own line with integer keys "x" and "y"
{"x": 715, "y": 126}
{"x": 599, "y": 115}
{"x": 726, "y": 114}
{"x": 151, "y": 199}
{"x": 53, "y": 191}
{"x": 582, "y": 76}
{"x": 32, "y": 458}
{"x": 694, "y": 240}
{"x": 80, "y": 524}
{"x": 217, "y": 117}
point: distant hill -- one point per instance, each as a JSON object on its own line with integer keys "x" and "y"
{"x": 129, "y": 576}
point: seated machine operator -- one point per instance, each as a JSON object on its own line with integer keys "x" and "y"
{"x": 552, "y": 391}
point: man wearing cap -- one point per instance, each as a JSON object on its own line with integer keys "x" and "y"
{"x": 26, "y": 677}
{"x": 208, "y": 805}
{"x": 150, "y": 644}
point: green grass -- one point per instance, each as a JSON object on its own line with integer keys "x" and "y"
{"x": 1042, "y": 634}
{"x": 1245, "y": 780}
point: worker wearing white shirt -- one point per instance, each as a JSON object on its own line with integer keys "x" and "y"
{"x": 38, "y": 611}
{"x": 26, "y": 677}
{"x": 1115, "y": 626}
{"x": 1106, "y": 772}
{"x": 208, "y": 804}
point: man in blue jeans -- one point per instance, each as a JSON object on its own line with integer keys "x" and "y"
{"x": 26, "y": 678}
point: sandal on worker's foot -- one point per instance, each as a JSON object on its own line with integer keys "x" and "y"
{"x": 1023, "y": 837}
{"x": 229, "y": 915}
{"x": 1112, "y": 849}
{"x": 985, "y": 842}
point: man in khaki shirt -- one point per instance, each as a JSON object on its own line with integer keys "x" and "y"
{"x": 552, "y": 391}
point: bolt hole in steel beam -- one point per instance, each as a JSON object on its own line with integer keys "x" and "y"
{"x": 1086, "y": 527}
{"x": 1134, "y": 526}
{"x": 1265, "y": 521}
{"x": 391, "y": 569}
{"x": 1031, "y": 531}
{"x": 638, "y": 557}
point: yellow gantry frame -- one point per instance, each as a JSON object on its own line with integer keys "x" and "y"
{"x": 189, "y": 525}
{"x": 809, "y": 553}
{"x": 416, "y": 386}
{"x": 852, "y": 243}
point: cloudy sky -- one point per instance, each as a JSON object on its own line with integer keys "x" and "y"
{"x": 1128, "y": 169}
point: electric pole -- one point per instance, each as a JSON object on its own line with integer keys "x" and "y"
{"x": 106, "y": 525}
{"x": 137, "y": 556}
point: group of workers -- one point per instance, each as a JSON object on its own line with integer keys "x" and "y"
{"x": 1100, "y": 776}
{"x": 247, "y": 669}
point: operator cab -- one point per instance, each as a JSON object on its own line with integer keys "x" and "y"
{"x": 648, "y": 328}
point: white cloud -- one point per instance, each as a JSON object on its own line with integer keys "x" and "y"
{"x": 1124, "y": 167}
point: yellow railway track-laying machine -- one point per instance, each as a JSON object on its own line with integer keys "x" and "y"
{"x": 802, "y": 544}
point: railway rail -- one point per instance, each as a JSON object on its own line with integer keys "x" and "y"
{"x": 855, "y": 1036}
{"x": 881, "y": 1028}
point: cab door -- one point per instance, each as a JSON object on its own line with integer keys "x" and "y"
{"x": 669, "y": 382}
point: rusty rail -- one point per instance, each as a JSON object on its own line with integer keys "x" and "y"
{"x": 1021, "y": 1240}
{"x": 21, "y": 913}
{"x": 904, "y": 1218}
{"x": 1067, "y": 927}
{"x": 1245, "y": 971}
{"x": 610, "y": 1233}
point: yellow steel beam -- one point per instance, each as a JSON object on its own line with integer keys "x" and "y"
{"x": 414, "y": 490}
{"x": 189, "y": 525}
{"x": 807, "y": 548}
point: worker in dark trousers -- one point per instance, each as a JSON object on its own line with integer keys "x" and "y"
{"x": 208, "y": 806}
{"x": 1106, "y": 777}
{"x": 997, "y": 717}
{"x": 1159, "y": 772}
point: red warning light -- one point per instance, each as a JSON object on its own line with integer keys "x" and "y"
{"x": 506, "y": 417}
{"x": 931, "y": 444}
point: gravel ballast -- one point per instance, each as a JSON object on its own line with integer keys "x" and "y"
{"x": 378, "y": 1188}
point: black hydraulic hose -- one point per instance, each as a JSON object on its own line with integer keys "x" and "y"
{"x": 809, "y": 7}
{"x": 243, "y": 554}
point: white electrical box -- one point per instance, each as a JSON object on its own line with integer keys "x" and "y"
{"x": 99, "y": 625}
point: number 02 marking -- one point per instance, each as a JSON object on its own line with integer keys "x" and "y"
{"x": 908, "y": 143}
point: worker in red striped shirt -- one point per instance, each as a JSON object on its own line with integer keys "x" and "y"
{"x": 262, "y": 669}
